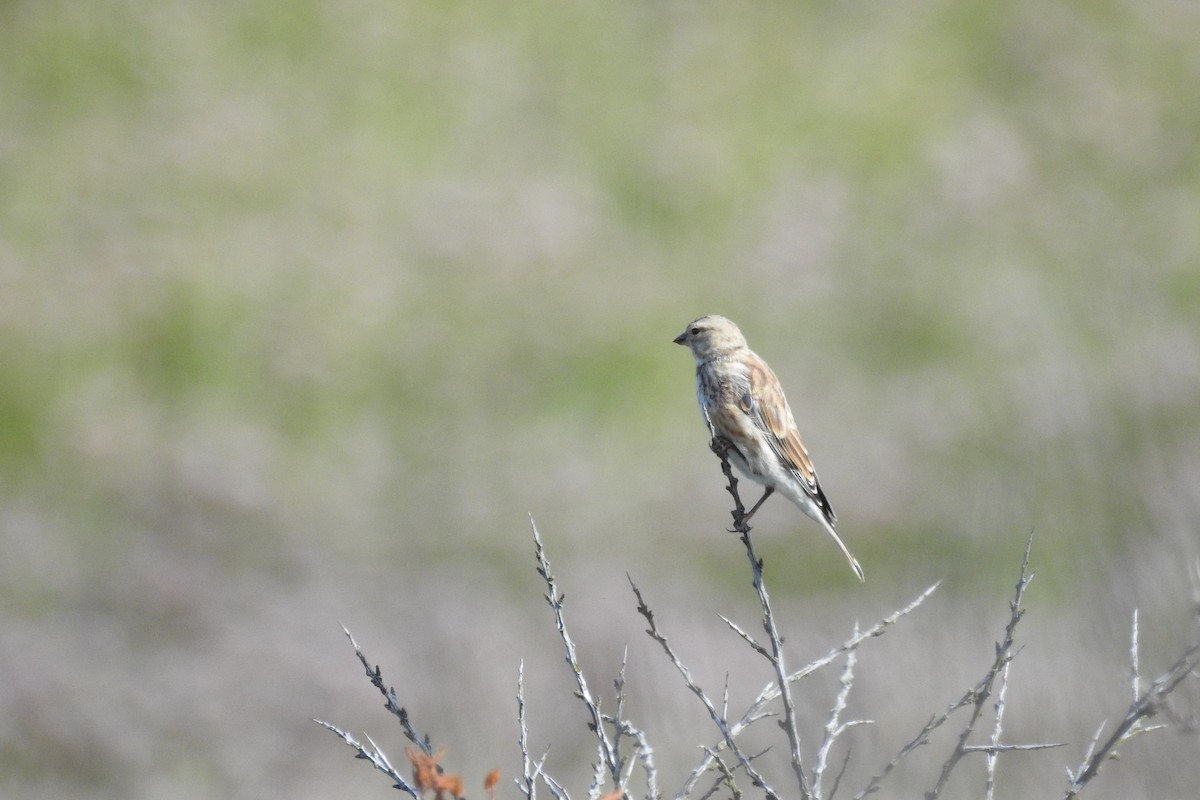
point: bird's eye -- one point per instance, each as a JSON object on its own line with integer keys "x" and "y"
{"x": 694, "y": 331}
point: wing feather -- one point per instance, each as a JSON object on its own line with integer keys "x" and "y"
{"x": 764, "y": 402}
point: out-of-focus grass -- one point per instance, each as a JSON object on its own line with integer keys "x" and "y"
{"x": 303, "y": 307}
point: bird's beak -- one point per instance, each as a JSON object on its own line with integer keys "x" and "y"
{"x": 681, "y": 338}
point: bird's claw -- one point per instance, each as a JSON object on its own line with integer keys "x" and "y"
{"x": 720, "y": 445}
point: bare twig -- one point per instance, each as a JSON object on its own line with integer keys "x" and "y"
{"x": 1011, "y": 748}
{"x": 720, "y": 445}
{"x": 717, "y": 718}
{"x": 775, "y": 657}
{"x": 757, "y": 709}
{"x": 834, "y": 727}
{"x": 1091, "y": 749}
{"x": 726, "y": 778}
{"x": 921, "y": 738}
{"x": 532, "y": 771}
{"x": 373, "y": 753}
{"x": 977, "y": 696}
{"x": 618, "y": 730}
{"x": 788, "y": 723}
{"x": 556, "y": 788}
{"x": 598, "y": 774}
{"x": 1144, "y": 706}
{"x": 613, "y": 730}
{"x": 643, "y": 752}
{"x": 605, "y": 747}
{"x": 878, "y": 629}
{"x": 781, "y": 687}
{"x": 389, "y": 696}
{"x": 529, "y": 770}
{"x": 758, "y": 648}
{"x": 996, "y": 748}
{"x": 378, "y": 759}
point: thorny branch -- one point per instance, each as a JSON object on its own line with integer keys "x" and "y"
{"x": 531, "y": 771}
{"x": 373, "y": 754}
{"x": 623, "y": 727}
{"x": 1144, "y": 706}
{"x": 389, "y": 697}
{"x": 378, "y": 759}
{"x": 717, "y": 717}
{"x": 978, "y": 696}
{"x": 974, "y": 697}
{"x": 555, "y": 599}
{"x": 776, "y": 657}
{"x": 834, "y": 727}
{"x": 770, "y": 693}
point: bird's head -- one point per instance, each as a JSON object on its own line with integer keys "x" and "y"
{"x": 711, "y": 337}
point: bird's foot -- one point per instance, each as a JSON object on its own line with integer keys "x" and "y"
{"x": 720, "y": 445}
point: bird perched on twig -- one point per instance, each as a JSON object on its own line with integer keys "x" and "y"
{"x": 749, "y": 419}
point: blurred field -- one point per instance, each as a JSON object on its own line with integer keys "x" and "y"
{"x": 305, "y": 307}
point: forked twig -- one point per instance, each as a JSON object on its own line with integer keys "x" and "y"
{"x": 776, "y": 656}
{"x": 975, "y": 697}
{"x": 605, "y": 746}
{"x": 717, "y": 717}
{"x": 531, "y": 771}
{"x": 758, "y": 709}
{"x": 978, "y": 696}
{"x": 834, "y": 727}
{"x": 1143, "y": 706}
{"x": 373, "y": 754}
{"x": 377, "y": 757}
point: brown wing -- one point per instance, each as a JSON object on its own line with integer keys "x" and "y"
{"x": 765, "y": 404}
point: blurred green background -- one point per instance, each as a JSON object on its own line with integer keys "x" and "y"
{"x": 306, "y": 306}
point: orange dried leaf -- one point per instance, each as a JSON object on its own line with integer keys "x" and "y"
{"x": 426, "y": 771}
{"x": 448, "y": 786}
{"x": 490, "y": 782}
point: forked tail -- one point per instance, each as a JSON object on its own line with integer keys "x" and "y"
{"x": 854, "y": 565}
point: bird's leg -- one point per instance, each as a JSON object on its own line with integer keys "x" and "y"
{"x": 770, "y": 491}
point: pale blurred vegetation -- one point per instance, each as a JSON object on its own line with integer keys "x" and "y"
{"x": 305, "y": 306}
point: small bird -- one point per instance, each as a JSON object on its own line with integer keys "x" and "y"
{"x": 745, "y": 410}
